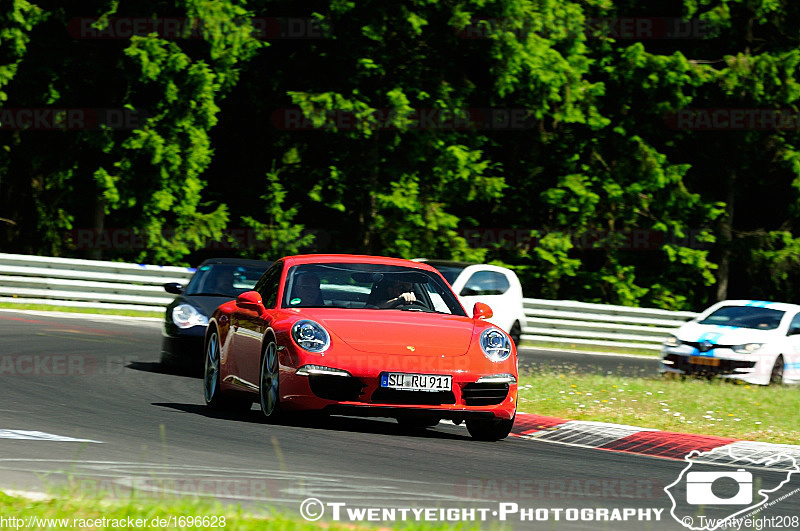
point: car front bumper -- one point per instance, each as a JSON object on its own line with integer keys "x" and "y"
{"x": 360, "y": 389}
{"x": 183, "y": 346}
{"x": 755, "y": 368}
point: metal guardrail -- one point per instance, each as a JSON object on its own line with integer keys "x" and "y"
{"x": 599, "y": 325}
{"x": 114, "y": 285}
{"x": 27, "y": 279}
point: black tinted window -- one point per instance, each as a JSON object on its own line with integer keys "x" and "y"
{"x": 745, "y": 317}
{"x": 795, "y": 322}
{"x": 449, "y": 272}
{"x": 485, "y": 283}
{"x": 223, "y": 279}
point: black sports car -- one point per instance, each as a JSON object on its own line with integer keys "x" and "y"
{"x": 216, "y": 281}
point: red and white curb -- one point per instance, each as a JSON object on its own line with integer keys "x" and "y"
{"x": 650, "y": 442}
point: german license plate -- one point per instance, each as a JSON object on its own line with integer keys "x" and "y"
{"x": 702, "y": 360}
{"x": 416, "y": 382}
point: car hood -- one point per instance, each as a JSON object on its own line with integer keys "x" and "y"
{"x": 725, "y": 335}
{"x": 398, "y": 332}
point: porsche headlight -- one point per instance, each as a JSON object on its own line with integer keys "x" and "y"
{"x": 495, "y": 344}
{"x": 187, "y": 316}
{"x": 747, "y": 348}
{"x": 672, "y": 341}
{"x": 310, "y": 336}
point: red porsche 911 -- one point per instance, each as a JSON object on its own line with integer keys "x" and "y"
{"x": 361, "y": 335}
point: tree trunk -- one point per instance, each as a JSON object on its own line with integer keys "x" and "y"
{"x": 98, "y": 224}
{"x": 726, "y": 240}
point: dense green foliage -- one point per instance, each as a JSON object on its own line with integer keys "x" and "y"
{"x": 549, "y": 135}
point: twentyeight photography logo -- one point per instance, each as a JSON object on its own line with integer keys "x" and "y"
{"x": 728, "y": 488}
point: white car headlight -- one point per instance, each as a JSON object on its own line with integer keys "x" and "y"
{"x": 672, "y": 341}
{"x": 495, "y": 344}
{"x": 311, "y": 336}
{"x": 187, "y": 316}
{"x": 747, "y": 348}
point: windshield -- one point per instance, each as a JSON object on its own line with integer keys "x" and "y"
{"x": 745, "y": 317}
{"x": 223, "y": 279}
{"x": 368, "y": 286}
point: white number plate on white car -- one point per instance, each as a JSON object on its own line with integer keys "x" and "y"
{"x": 416, "y": 382}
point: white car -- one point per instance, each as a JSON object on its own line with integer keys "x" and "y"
{"x": 754, "y": 341}
{"x": 496, "y": 286}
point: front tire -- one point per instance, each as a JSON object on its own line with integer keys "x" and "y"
{"x": 167, "y": 362}
{"x": 269, "y": 382}
{"x": 515, "y": 333}
{"x": 776, "y": 376}
{"x": 490, "y": 430}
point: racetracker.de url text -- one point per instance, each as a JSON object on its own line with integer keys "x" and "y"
{"x": 34, "y": 522}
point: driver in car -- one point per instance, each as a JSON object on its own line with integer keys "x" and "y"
{"x": 400, "y": 292}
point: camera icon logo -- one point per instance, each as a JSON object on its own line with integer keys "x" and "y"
{"x": 699, "y": 488}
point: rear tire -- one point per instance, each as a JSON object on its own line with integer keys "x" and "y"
{"x": 490, "y": 430}
{"x": 211, "y": 384}
{"x": 776, "y": 376}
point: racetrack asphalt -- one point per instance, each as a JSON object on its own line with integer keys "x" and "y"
{"x": 99, "y": 380}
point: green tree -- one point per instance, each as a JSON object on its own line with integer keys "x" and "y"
{"x": 17, "y": 20}
{"x": 146, "y": 176}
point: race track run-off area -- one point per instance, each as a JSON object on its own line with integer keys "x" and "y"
{"x": 87, "y": 411}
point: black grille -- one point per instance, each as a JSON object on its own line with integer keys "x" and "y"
{"x": 703, "y": 347}
{"x": 395, "y": 396}
{"x": 335, "y": 387}
{"x": 725, "y": 366}
{"x": 484, "y": 394}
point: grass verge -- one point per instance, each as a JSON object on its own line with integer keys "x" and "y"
{"x": 64, "y": 511}
{"x": 70, "y": 309}
{"x": 579, "y": 347}
{"x": 709, "y": 407}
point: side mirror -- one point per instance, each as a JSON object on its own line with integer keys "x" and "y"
{"x": 481, "y": 311}
{"x": 250, "y": 300}
{"x": 793, "y": 331}
{"x": 173, "y": 287}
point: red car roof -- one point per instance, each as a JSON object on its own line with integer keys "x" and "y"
{"x": 353, "y": 259}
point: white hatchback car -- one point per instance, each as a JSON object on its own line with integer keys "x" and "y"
{"x": 496, "y": 286}
{"x": 754, "y": 341}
